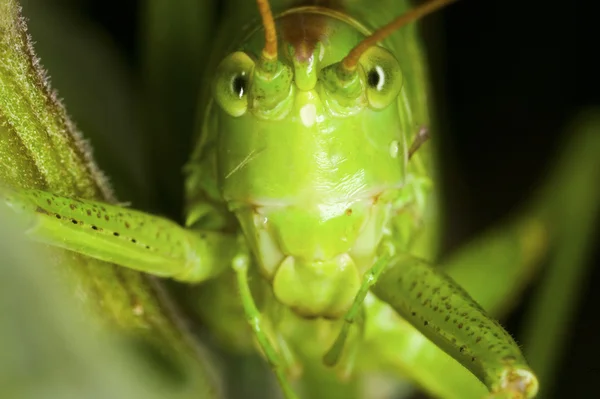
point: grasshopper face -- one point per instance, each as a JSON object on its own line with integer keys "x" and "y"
{"x": 302, "y": 162}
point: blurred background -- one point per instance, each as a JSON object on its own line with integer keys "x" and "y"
{"x": 508, "y": 75}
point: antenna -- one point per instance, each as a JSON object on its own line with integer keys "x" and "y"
{"x": 269, "y": 52}
{"x": 350, "y": 62}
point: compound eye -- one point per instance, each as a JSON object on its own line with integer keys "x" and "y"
{"x": 383, "y": 75}
{"x": 232, "y": 83}
{"x": 239, "y": 85}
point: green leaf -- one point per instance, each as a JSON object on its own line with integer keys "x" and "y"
{"x": 39, "y": 148}
{"x": 99, "y": 90}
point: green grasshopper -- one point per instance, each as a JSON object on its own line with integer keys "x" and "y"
{"x": 311, "y": 191}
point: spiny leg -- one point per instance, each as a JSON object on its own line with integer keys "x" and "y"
{"x": 448, "y": 317}
{"x": 122, "y": 236}
{"x": 444, "y": 313}
{"x": 493, "y": 268}
{"x": 241, "y": 265}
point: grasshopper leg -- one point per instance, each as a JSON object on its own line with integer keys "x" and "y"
{"x": 501, "y": 261}
{"x": 444, "y": 313}
{"x": 240, "y": 265}
{"x": 122, "y": 236}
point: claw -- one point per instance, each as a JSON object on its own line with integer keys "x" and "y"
{"x": 518, "y": 383}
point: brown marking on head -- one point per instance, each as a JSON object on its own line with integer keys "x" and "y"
{"x": 304, "y": 31}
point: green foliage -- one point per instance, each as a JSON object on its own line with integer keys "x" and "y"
{"x": 39, "y": 148}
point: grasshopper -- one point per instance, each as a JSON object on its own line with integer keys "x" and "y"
{"x": 311, "y": 191}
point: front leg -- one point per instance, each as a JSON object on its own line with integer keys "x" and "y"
{"x": 123, "y": 236}
{"x": 442, "y": 311}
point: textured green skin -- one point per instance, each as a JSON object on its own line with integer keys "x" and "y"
{"x": 432, "y": 302}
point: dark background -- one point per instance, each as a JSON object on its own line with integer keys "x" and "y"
{"x": 509, "y": 77}
{"x": 516, "y": 72}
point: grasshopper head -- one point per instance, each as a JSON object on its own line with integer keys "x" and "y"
{"x": 310, "y": 157}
